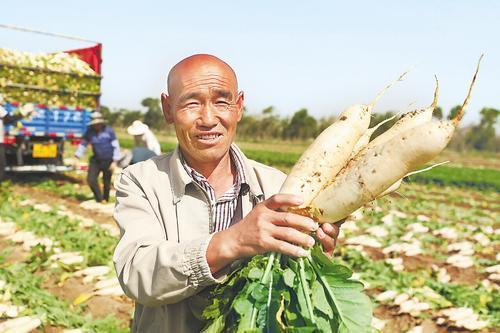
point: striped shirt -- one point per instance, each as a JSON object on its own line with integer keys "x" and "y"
{"x": 223, "y": 208}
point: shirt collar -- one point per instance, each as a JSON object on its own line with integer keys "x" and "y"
{"x": 181, "y": 177}
{"x": 236, "y": 161}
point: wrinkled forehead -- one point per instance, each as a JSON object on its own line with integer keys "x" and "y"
{"x": 201, "y": 75}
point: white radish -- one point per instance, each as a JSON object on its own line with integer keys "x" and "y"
{"x": 394, "y": 187}
{"x": 111, "y": 282}
{"x": 376, "y": 169}
{"x": 330, "y": 151}
{"x": 110, "y": 291}
{"x": 20, "y": 325}
{"x": 407, "y": 121}
{"x": 365, "y": 139}
{"x": 93, "y": 271}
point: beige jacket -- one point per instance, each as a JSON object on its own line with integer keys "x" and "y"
{"x": 165, "y": 220}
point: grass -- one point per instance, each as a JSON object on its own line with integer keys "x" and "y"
{"x": 481, "y": 179}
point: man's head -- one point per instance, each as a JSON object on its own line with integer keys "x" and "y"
{"x": 205, "y": 106}
{"x": 97, "y": 121}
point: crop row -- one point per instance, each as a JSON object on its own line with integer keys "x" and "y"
{"x": 24, "y": 280}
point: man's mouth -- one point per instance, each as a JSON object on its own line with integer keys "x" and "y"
{"x": 209, "y": 137}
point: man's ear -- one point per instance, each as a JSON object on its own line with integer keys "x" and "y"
{"x": 239, "y": 104}
{"x": 167, "y": 110}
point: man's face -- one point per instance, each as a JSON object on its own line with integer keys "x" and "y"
{"x": 205, "y": 107}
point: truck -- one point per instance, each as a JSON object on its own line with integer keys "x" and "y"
{"x": 59, "y": 91}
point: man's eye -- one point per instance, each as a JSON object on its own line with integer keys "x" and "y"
{"x": 192, "y": 105}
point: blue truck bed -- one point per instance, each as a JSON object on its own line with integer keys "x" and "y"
{"x": 53, "y": 122}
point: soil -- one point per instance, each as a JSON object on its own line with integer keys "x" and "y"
{"x": 468, "y": 276}
{"x": 97, "y": 306}
{"x": 415, "y": 263}
{"x": 102, "y": 306}
{"x": 71, "y": 204}
{"x": 17, "y": 254}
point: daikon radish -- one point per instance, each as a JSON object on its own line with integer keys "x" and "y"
{"x": 330, "y": 151}
{"x": 20, "y": 325}
{"x": 407, "y": 121}
{"x": 376, "y": 169}
{"x": 394, "y": 187}
{"x": 365, "y": 139}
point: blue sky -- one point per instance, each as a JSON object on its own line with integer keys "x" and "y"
{"x": 322, "y": 55}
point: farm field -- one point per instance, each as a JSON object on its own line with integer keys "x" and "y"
{"x": 428, "y": 255}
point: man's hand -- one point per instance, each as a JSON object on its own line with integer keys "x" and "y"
{"x": 327, "y": 235}
{"x": 264, "y": 229}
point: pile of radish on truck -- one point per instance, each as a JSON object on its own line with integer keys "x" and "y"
{"x": 49, "y": 98}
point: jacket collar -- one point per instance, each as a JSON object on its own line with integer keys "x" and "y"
{"x": 180, "y": 178}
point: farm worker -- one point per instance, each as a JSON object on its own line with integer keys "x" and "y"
{"x": 145, "y": 145}
{"x": 106, "y": 150}
{"x": 143, "y": 137}
{"x": 187, "y": 217}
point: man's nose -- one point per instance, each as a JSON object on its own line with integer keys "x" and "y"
{"x": 208, "y": 116}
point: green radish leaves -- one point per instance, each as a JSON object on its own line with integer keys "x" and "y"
{"x": 280, "y": 294}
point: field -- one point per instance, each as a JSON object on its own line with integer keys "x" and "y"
{"x": 428, "y": 255}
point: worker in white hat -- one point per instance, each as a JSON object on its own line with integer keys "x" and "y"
{"x": 143, "y": 137}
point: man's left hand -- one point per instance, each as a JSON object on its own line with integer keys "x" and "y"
{"x": 327, "y": 235}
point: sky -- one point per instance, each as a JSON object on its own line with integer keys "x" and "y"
{"x": 321, "y": 55}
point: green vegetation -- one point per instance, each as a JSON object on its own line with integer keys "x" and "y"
{"x": 24, "y": 279}
{"x": 276, "y": 293}
{"x": 481, "y": 179}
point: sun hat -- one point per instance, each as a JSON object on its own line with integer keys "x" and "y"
{"x": 96, "y": 118}
{"x": 26, "y": 109}
{"x": 137, "y": 128}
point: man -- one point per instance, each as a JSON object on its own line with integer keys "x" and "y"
{"x": 186, "y": 217}
{"x": 145, "y": 145}
{"x": 144, "y": 137}
{"x": 106, "y": 150}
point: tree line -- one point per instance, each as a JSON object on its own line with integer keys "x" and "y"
{"x": 269, "y": 125}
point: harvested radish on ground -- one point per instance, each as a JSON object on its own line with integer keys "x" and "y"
{"x": 339, "y": 173}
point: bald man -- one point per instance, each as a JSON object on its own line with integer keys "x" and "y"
{"x": 187, "y": 218}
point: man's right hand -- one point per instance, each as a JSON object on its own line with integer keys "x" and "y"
{"x": 264, "y": 229}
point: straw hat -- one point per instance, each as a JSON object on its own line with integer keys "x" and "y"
{"x": 137, "y": 128}
{"x": 27, "y": 109}
{"x": 96, "y": 118}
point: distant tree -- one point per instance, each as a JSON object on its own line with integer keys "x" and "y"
{"x": 154, "y": 114}
{"x": 268, "y": 110}
{"x": 438, "y": 113}
{"x": 483, "y": 136}
{"x": 247, "y": 126}
{"x": 112, "y": 117}
{"x": 269, "y": 124}
{"x": 128, "y": 116}
{"x": 454, "y": 110}
{"x": 301, "y": 126}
